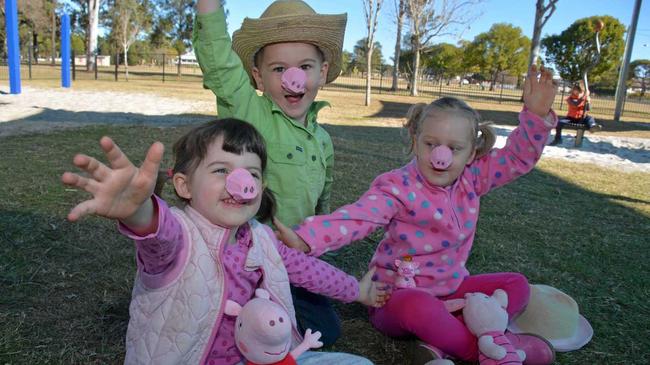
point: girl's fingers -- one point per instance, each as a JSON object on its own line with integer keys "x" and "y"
{"x": 152, "y": 161}
{"x": 92, "y": 166}
{"x": 77, "y": 181}
{"x": 84, "y": 208}
{"x": 114, "y": 154}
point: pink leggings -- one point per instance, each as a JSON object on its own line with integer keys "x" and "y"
{"x": 417, "y": 312}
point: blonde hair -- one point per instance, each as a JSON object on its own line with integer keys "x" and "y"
{"x": 484, "y": 134}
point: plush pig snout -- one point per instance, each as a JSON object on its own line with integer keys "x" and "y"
{"x": 294, "y": 80}
{"x": 241, "y": 185}
{"x": 441, "y": 157}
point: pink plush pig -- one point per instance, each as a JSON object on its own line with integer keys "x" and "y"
{"x": 406, "y": 270}
{"x": 263, "y": 332}
{"x": 486, "y": 317}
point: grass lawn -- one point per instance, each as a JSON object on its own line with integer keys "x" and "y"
{"x": 66, "y": 287}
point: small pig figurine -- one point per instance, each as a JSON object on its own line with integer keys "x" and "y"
{"x": 263, "y": 332}
{"x": 406, "y": 270}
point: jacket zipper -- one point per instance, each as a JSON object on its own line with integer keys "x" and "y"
{"x": 222, "y": 305}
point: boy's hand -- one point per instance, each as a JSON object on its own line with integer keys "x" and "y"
{"x": 118, "y": 191}
{"x": 287, "y": 236}
{"x": 539, "y": 95}
{"x": 372, "y": 293}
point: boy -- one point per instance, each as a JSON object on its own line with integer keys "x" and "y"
{"x": 577, "y": 113}
{"x": 288, "y": 54}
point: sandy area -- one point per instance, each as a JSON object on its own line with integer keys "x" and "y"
{"x": 37, "y": 110}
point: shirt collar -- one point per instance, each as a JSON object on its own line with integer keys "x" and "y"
{"x": 312, "y": 112}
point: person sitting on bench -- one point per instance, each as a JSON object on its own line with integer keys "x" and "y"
{"x": 577, "y": 114}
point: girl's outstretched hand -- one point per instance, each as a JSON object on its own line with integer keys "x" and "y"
{"x": 539, "y": 93}
{"x": 373, "y": 293}
{"x": 118, "y": 191}
{"x": 287, "y": 236}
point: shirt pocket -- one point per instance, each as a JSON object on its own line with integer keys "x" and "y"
{"x": 287, "y": 154}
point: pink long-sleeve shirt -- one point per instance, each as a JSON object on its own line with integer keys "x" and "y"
{"x": 156, "y": 253}
{"x": 433, "y": 225}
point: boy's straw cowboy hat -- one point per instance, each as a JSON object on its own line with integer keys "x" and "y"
{"x": 554, "y": 315}
{"x": 292, "y": 21}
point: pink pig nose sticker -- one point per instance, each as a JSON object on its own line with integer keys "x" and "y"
{"x": 441, "y": 157}
{"x": 241, "y": 185}
{"x": 294, "y": 80}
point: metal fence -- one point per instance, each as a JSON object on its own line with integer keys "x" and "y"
{"x": 150, "y": 67}
{"x": 169, "y": 68}
{"x": 505, "y": 91}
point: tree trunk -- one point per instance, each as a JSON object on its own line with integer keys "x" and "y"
{"x": 540, "y": 20}
{"x": 126, "y": 63}
{"x": 34, "y": 46}
{"x": 368, "y": 74}
{"x": 398, "y": 43}
{"x": 416, "y": 73}
{"x": 178, "y": 66}
{"x": 494, "y": 80}
{"x": 93, "y": 24}
{"x": 535, "y": 42}
{"x": 53, "y": 32}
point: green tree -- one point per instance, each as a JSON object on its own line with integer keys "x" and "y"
{"x": 444, "y": 60}
{"x": 572, "y": 51}
{"x": 175, "y": 24}
{"x": 428, "y": 19}
{"x": 640, "y": 71}
{"x": 129, "y": 20}
{"x": 346, "y": 62}
{"x": 360, "y": 59}
{"x": 501, "y": 49}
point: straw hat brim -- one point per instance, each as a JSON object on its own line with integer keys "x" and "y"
{"x": 583, "y": 334}
{"x": 323, "y": 31}
{"x": 554, "y": 315}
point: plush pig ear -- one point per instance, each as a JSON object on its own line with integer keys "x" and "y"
{"x": 502, "y": 297}
{"x": 262, "y": 293}
{"x": 232, "y": 308}
{"x": 453, "y": 305}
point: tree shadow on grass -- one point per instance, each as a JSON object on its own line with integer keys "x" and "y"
{"x": 392, "y": 109}
{"x": 66, "y": 287}
{"x": 47, "y": 119}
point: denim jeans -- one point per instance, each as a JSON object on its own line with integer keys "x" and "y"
{"x": 587, "y": 120}
{"x": 315, "y": 312}
{"x": 329, "y": 358}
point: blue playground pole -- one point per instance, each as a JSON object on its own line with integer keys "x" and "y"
{"x": 11, "y": 11}
{"x": 65, "y": 51}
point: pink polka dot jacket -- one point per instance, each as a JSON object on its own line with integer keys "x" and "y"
{"x": 433, "y": 225}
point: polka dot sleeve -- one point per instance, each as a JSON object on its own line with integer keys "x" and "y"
{"x": 521, "y": 152}
{"x": 317, "y": 276}
{"x": 354, "y": 221}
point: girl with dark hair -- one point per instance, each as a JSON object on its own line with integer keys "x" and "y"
{"x": 192, "y": 260}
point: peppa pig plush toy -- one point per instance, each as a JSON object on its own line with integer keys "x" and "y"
{"x": 263, "y": 332}
{"x": 486, "y": 317}
{"x": 406, "y": 270}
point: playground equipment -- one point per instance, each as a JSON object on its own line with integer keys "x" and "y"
{"x": 65, "y": 51}
{"x": 594, "y": 60}
{"x": 13, "y": 48}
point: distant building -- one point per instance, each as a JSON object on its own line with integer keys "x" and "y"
{"x": 102, "y": 61}
{"x": 187, "y": 59}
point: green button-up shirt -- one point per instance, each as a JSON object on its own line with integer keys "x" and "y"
{"x": 299, "y": 170}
